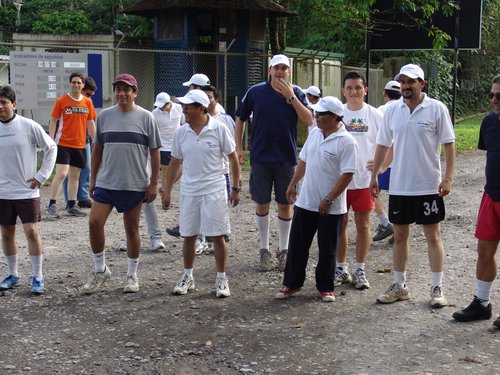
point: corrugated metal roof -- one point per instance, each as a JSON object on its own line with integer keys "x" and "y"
{"x": 148, "y": 8}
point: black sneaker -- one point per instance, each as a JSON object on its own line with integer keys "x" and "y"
{"x": 174, "y": 231}
{"x": 475, "y": 311}
{"x": 496, "y": 323}
{"x": 383, "y": 232}
{"x": 87, "y": 203}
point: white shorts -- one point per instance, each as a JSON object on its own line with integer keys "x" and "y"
{"x": 206, "y": 214}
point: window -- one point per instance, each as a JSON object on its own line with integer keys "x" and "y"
{"x": 171, "y": 25}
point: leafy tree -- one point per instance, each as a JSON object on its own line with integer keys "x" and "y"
{"x": 64, "y": 23}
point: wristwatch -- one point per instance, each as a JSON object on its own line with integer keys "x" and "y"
{"x": 327, "y": 200}
{"x": 235, "y": 189}
{"x": 290, "y": 99}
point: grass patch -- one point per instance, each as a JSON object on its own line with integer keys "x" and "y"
{"x": 467, "y": 133}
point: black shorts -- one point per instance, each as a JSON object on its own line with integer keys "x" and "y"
{"x": 76, "y": 157}
{"x": 264, "y": 176}
{"x": 421, "y": 209}
{"x": 165, "y": 157}
{"x": 28, "y": 211}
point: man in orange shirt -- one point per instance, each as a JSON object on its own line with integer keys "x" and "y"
{"x": 72, "y": 117}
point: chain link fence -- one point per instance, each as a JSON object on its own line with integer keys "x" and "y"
{"x": 159, "y": 70}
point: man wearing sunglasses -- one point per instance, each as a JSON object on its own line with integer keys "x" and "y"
{"x": 488, "y": 219}
{"x": 416, "y": 126}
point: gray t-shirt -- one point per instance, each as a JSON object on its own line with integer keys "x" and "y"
{"x": 127, "y": 138}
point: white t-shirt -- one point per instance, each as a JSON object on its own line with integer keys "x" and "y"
{"x": 203, "y": 157}
{"x": 19, "y": 140}
{"x": 326, "y": 160}
{"x": 416, "y": 138}
{"x": 383, "y": 107}
{"x": 363, "y": 125}
{"x": 168, "y": 123}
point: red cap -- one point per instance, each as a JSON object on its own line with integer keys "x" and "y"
{"x": 126, "y": 78}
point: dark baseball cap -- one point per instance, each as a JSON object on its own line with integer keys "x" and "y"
{"x": 126, "y": 78}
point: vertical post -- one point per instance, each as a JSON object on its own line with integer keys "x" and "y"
{"x": 455, "y": 66}
{"x": 367, "y": 74}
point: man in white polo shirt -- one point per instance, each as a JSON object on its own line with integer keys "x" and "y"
{"x": 200, "y": 145}
{"x": 327, "y": 163}
{"x": 416, "y": 126}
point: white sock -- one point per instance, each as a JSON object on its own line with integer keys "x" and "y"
{"x": 360, "y": 265}
{"x": 221, "y": 274}
{"x": 188, "y": 271}
{"x": 263, "y": 228}
{"x": 100, "y": 262}
{"x": 132, "y": 266}
{"x": 400, "y": 277}
{"x": 483, "y": 291}
{"x": 36, "y": 265}
{"x": 284, "y": 232}
{"x": 384, "y": 219}
{"x": 437, "y": 279}
{"x": 12, "y": 265}
{"x": 344, "y": 266}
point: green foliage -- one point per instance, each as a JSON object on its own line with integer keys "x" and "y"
{"x": 65, "y": 23}
{"x": 7, "y": 19}
{"x": 467, "y": 133}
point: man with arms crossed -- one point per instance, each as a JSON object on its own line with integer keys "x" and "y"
{"x": 74, "y": 113}
{"x": 416, "y": 126}
{"x": 19, "y": 186}
{"x": 488, "y": 220}
{"x": 276, "y": 106}
{"x": 126, "y": 135}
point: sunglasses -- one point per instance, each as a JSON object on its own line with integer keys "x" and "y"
{"x": 495, "y": 95}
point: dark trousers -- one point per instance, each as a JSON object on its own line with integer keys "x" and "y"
{"x": 305, "y": 223}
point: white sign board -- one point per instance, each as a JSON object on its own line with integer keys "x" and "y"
{"x": 40, "y": 77}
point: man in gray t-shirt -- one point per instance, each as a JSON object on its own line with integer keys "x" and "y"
{"x": 126, "y": 136}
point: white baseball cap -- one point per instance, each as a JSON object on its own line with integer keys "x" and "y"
{"x": 313, "y": 90}
{"x": 195, "y": 96}
{"x": 279, "y": 59}
{"x": 161, "y": 99}
{"x": 329, "y": 104}
{"x": 393, "y": 85}
{"x": 197, "y": 79}
{"x": 411, "y": 70}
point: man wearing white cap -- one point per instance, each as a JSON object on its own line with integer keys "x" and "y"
{"x": 313, "y": 94}
{"x": 416, "y": 126}
{"x": 392, "y": 92}
{"x": 276, "y": 105}
{"x": 327, "y": 163}
{"x": 200, "y": 145}
{"x": 198, "y": 81}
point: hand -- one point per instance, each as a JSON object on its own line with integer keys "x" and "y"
{"x": 369, "y": 165}
{"x": 324, "y": 208}
{"x": 34, "y": 183}
{"x": 284, "y": 87}
{"x": 235, "y": 198}
{"x": 374, "y": 189}
{"x": 444, "y": 188}
{"x": 241, "y": 156}
{"x": 291, "y": 194}
{"x": 151, "y": 193}
{"x": 165, "y": 201}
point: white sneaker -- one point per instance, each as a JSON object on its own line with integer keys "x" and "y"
{"x": 131, "y": 284}
{"x": 222, "y": 287}
{"x": 185, "y": 284}
{"x": 394, "y": 293}
{"x": 95, "y": 280}
{"x": 359, "y": 279}
{"x": 341, "y": 277}
{"x": 201, "y": 246}
{"x": 437, "y": 297}
{"x": 157, "y": 244}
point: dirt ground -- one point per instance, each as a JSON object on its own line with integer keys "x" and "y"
{"x": 155, "y": 332}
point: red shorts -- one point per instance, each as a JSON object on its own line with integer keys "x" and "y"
{"x": 488, "y": 219}
{"x": 360, "y": 200}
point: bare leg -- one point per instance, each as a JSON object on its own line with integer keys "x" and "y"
{"x": 131, "y": 223}
{"x": 98, "y": 215}
{"x": 400, "y": 250}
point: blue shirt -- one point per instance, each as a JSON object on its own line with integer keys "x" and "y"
{"x": 274, "y": 124}
{"x": 489, "y": 140}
